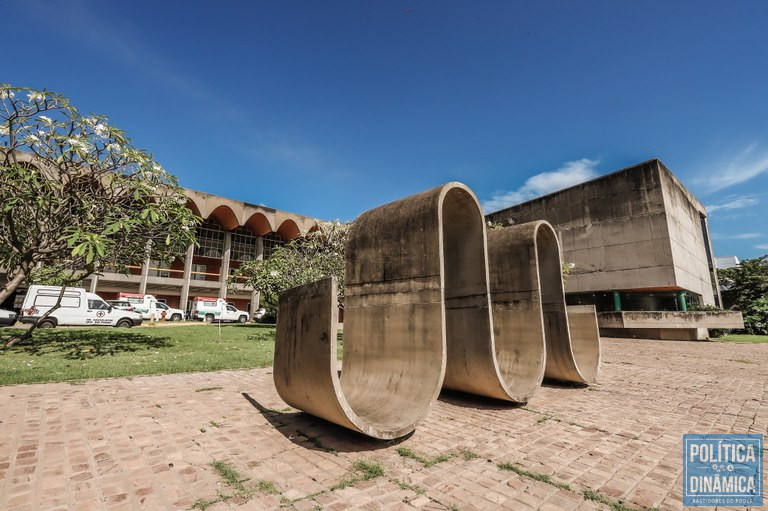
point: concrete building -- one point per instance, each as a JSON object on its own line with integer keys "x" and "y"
{"x": 232, "y": 232}
{"x": 639, "y": 241}
{"x": 724, "y": 262}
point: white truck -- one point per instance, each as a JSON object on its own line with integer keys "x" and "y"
{"x": 150, "y": 308}
{"x": 216, "y": 309}
{"x": 78, "y": 308}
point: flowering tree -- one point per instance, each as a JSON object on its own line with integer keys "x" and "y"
{"x": 313, "y": 256}
{"x": 76, "y": 196}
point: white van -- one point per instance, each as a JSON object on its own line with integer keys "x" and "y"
{"x": 78, "y": 308}
{"x": 150, "y": 308}
{"x": 216, "y": 309}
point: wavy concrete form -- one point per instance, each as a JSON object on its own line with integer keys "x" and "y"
{"x": 529, "y": 255}
{"x": 406, "y": 278}
{"x": 418, "y": 316}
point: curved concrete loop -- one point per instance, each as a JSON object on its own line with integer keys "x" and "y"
{"x": 418, "y": 315}
{"x": 585, "y": 339}
{"x": 402, "y": 286}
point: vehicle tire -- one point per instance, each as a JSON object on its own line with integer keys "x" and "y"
{"x": 209, "y": 318}
{"x": 242, "y": 319}
{"x": 124, "y": 323}
{"x": 48, "y": 323}
{"x": 176, "y": 317}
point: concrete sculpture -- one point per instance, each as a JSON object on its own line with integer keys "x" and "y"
{"x": 425, "y": 308}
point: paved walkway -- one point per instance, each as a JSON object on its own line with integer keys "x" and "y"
{"x": 148, "y": 442}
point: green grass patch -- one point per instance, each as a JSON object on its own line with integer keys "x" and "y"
{"x": 536, "y": 476}
{"x": 407, "y": 452}
{"x": 407, "y": 486}
{"x": 363, "y": 470}
{"x": 744, "y": 339}
{"x": 64, "y": 354}
{"x": 236, "y": 483}
{"x": 469, "y": 455}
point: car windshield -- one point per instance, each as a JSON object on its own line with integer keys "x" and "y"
{"x": 161, "y": 305}
{"x": 230, "y": 308}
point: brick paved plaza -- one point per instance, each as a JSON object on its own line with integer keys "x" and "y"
{"x": 148, "y": 442}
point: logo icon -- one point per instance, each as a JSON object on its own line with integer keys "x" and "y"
{"x": 100, "y": 314}
{"x": 723, "y": 470}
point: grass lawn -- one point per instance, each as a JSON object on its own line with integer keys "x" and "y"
{"x": 79, "y": 353}
{"x": 745, "y": 338}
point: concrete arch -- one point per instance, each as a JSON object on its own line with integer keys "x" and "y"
{"x": 226, "y": 217}
{"x": 192, "y": 205}
{"x": 259, "y": 224}
{"x": 288, "y": 230}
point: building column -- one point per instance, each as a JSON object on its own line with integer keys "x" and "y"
{"x": 255, "y": 295}
{"x": 94, "y": 283}
{"x": 144, "y": 275}
{"x": 681, "y": 302}
{"x": 187, "y": 277}
{"x": 617, "y": 301}
{"x": 224, "y": 275}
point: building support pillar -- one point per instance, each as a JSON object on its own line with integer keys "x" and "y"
{"x": 94, "y": 283}
{"x": 255, "y": 295}
{"x": 144, "y": 275}
{"x": 682, "y": 304}
{"x": 224, "y": 275}
{"x": 617, "y": 301}
{"x": 187, "y": 278}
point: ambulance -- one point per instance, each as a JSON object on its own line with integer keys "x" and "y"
{"x": 78, "y": 308}
{"x": 150, "y": 308}
{"x": 216, "y": 309}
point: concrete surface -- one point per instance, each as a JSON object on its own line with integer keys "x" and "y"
{"x": 146, "y": 443}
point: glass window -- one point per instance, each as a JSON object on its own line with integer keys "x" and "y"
{"x": 161, "y": 305}
{"x": 231, "y": 309}
{"x": 245, "y": 245}
{"x": 210, "y": 237}
{"x": 97, "y": 305}
{"x": 158, "y": 269}
{"x": 271, "y": 241}
{"x": 198, "y": 272}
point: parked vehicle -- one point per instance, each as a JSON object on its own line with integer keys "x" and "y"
{"x": 216, "y": 309}
{"x": 124, "y": 305}
{"x": 78, "y": 308}
{"x": 260, "y": 312}
{"x": 150, "y": 308}
{"x": 7, "y": 318}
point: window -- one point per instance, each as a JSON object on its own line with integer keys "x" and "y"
{"x": 49, "y": 300}
{"x": 231, "y": 309}
{"x": 160, "y": 269}
{"x": 245, "y": 245}
{"x": 161, "y": 305}
{"x": 271, "y": 241}
{"x": 198, "y": 272}
{"x": 97, "y": 305}
{"x": 210, "y": 236}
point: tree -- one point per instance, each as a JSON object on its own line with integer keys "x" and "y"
{"x": 77, "y": 197}
{"x": 745, "y": 288}
{"x": 310, "y": 257}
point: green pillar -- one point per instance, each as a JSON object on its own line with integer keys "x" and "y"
{"x": 681, "y": 301}
{"x": 617, "y": 301}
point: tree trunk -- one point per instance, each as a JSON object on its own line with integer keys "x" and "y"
{"x": 8, "y": 289}
{"x": 28, "y": 334}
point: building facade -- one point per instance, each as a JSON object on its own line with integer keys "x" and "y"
{"x": 638, "y": 241}
{"x": 232, "y": 232}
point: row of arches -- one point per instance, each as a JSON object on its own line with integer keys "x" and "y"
{"x": 258, "y": 223}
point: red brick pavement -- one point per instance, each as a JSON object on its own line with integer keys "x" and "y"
{"x": 148, "y": 442}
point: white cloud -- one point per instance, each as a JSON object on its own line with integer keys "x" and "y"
{"x": 570, "y": 174}
{"x": 748, "y": 164}
{"x": 738, "y": 203}
{"x": 762, "y": 247}
{"x": 742, "y": 236}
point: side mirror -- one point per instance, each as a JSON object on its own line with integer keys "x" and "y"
{"x": 110, "y": 308}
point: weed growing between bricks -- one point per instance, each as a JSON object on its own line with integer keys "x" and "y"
{"x": 587, "y": 494}
{"x": 407, "y": 452}
{"x": 236, "y": 482}
{"x": 364, "y": 470}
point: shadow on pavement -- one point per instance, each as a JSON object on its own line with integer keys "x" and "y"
{"x": 317, "y": 434}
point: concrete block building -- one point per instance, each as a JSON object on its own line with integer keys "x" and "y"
{"x": 639, "y": 241}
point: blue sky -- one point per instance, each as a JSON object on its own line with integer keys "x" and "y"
{"x": 331, "y": 108}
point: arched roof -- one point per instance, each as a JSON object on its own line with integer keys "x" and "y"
{"x": 288, "y": 230}
{"x": 259, "y": 224}
{"x": 226, "y": 217}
